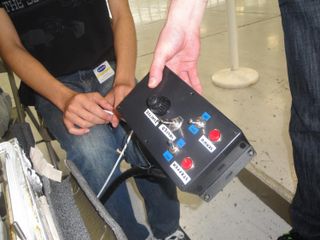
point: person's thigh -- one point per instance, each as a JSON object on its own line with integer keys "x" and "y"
{"x": 94, "y": 153}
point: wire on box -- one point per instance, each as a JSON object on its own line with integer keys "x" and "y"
{"x": 103, "y": 189}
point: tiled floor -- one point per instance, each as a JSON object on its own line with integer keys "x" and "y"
{"x": 261, "y": 111}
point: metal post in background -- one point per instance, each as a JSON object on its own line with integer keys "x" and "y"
{"x": 235, "y": 76}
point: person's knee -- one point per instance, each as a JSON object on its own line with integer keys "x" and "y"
{"x": 93, "y": 153}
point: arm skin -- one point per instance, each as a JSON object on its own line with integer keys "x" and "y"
{"x": 178, "y": 45}
{"x": 125, "y": 44}
{"x": 81, "y": 110}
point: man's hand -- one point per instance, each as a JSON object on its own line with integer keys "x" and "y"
{"x": 85, "y": 110}
{"x": 178, "y": 48}
{"x": 115, "y": 96}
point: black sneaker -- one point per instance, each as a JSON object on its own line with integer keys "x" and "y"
{"x": 292, "y": 235}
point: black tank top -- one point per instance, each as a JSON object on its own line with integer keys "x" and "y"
{"x": 64, "y": 35}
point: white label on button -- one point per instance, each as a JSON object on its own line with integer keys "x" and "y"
{"x": 167, "y": 132}
{"x": 180, "y": 172}
{"x": 207, "y": 143}
{"x": 152, "y": 117}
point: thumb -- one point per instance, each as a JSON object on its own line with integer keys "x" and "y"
{"x": 156, "y": 69}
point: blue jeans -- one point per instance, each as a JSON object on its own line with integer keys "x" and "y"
{"x": 95, "y": 154}
{"x": 301, "y": 25}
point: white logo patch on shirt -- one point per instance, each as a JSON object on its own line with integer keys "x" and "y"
{"x": 103, "y": 72}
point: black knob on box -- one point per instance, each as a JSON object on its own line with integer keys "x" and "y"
{"x": 159, "y": 105}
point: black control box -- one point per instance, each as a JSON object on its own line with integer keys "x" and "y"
{"x": 198, "y": 147}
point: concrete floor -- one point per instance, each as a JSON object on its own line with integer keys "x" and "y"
{"x": 261, "y": 111}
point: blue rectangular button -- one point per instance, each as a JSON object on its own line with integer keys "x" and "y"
{"x": 206, "y": 116}
{"x": 167, "y": 155}
{"x": 181, "y": 143}
{"x": 193, "y": 129}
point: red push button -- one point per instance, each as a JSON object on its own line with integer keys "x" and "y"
{"x": 187, "y": 163}
{"x": 215, "y": 135}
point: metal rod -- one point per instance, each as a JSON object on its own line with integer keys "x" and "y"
{"x": 233, "y": 34}
{"x": 18, "y": 231}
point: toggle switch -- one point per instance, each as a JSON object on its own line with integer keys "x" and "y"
{"x": 173, "y": 148}
{"x": 173, "y": 124}
{"x": 199, "y": 122}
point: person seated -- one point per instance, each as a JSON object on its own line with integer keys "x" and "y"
{"x": 79, "y": 64}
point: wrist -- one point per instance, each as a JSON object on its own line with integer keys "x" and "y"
{"x": 130, "y": 82}
{"x": 64, "y": 99}
{"x": 124, "y": 80}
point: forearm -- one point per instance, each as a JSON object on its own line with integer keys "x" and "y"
{"x": 36, "y": 76}
{"x": 186, "y": 13}
{"x": 27, "y": 67}
{"x": 178, "y": 45}
{"x": 125, "y": 50}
